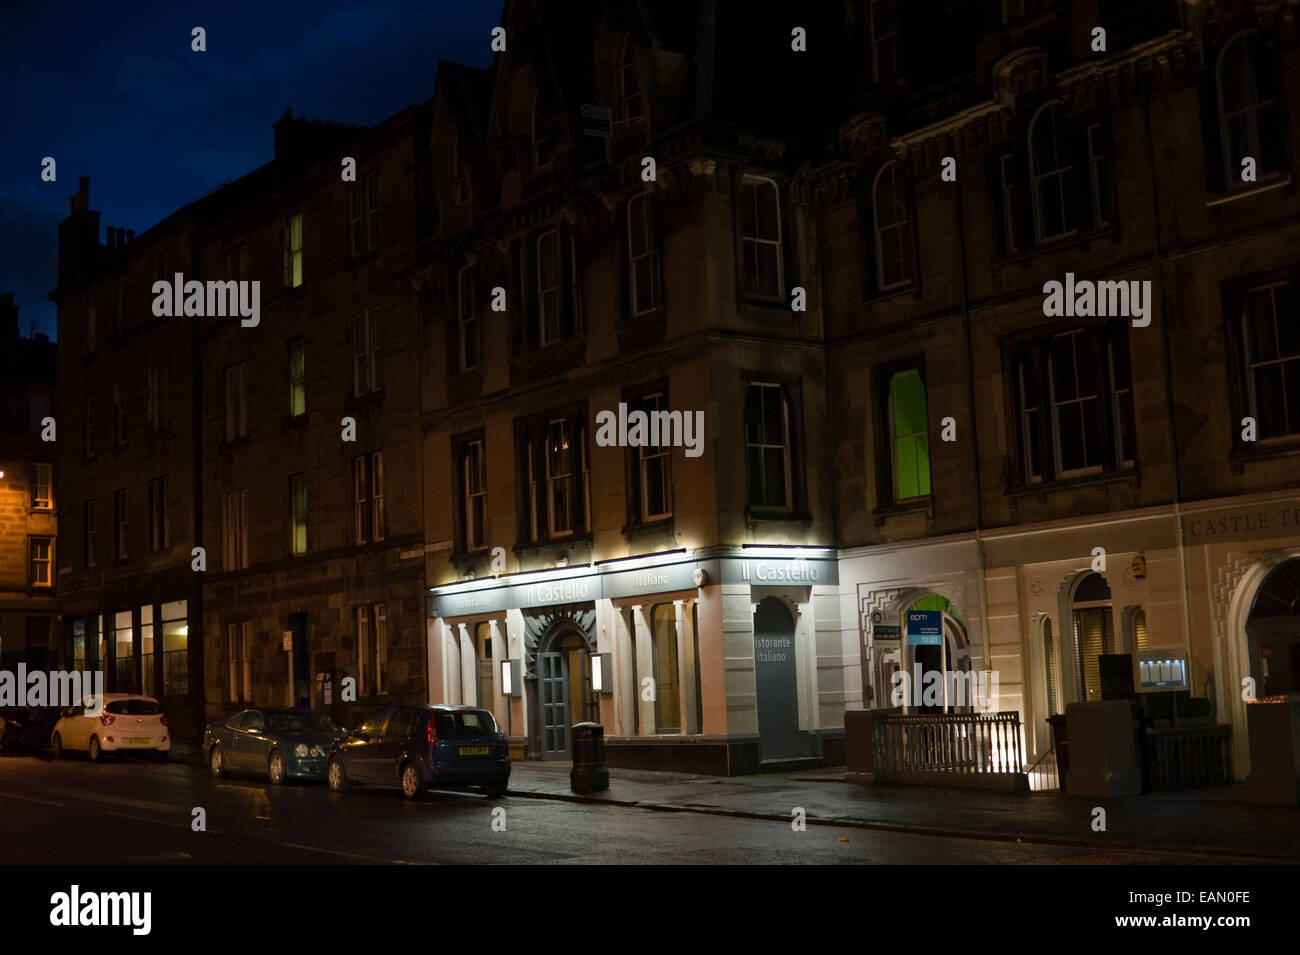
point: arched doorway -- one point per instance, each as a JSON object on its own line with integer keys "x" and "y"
{"x": 950, "y": 656}
{"x": 564, "y": 692}
{"x": 1273, "y": 632}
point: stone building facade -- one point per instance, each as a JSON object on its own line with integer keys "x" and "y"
{"x": 28, "y": 507}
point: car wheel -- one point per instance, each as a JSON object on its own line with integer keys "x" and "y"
{"x": 338, "y": 776}
{"x": 275, "y": 768}
{"x": 160, "y": 755}
{"x": 411, "y": 784}
{"x": 56, "y": 745}
{"x": 96, "y": 752}
{"x": 217, "y": 762}
{"x": 495, "y": 790}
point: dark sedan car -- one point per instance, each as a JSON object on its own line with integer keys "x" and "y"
{"x": 421, "y": 747}
{"x": 283, "y": 742}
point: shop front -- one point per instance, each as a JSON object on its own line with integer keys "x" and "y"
{"x": 705, "y": 662}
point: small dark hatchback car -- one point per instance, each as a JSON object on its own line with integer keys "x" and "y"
{"x": 429, "y": 746}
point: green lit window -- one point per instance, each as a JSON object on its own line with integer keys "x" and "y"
{"x": 909, "y": 435}
{"x": 297, "y": 379}
{"x": 293, "y": 252}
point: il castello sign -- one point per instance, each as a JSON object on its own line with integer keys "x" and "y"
{"x": 1271, "y": 520}
{"x": 572, "y": 585}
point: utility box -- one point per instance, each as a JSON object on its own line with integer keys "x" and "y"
{"x": 1103, "y": 749}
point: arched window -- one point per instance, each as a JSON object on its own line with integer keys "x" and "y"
{"x": 1248, "y": 116}
{"x": 630, "y": 85}
{"x": 1094, "y": 633}
{"x": 543, "y": 145}
{"x": 1052, "y": 173}
{"x": 893, "y": 228}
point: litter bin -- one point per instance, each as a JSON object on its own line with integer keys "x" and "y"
{"x": 589, "y": 773}
{"x": 1060, "y": 743}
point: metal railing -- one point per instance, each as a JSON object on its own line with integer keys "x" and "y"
{"x": 1189, "y": 757}
{"x": 947, "y": 743}
{"x": 1044, "y": 773}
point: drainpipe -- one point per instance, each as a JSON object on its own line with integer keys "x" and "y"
{"x": 978, "y": 500}
{"x": 1166, "y": 362}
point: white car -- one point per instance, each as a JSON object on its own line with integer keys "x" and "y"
{"x": 128, "y": 723}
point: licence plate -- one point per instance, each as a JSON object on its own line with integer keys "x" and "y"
{"x": 138, "y": 739}
{"x": 473, "y": 750}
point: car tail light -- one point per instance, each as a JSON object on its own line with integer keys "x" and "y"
{"x": 433, "y": 730}
{"x": 106, "y": 719}
{"x": 162, "y": 720}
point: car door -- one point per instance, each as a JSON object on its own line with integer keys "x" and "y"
{"x": 248, "y": 741}
{"x": 397, "y": 732}
{"x": 72, "y": 728}
{"x": 363, "y": 747}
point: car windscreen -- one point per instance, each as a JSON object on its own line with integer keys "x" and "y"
{"x": 466, "y": 723}
{"x": 300, "y": 723}
{"x": 134, "y": 707}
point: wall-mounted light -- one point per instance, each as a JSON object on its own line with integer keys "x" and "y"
{"x": 599, "y": 675}
{"x": 2, "y": 474}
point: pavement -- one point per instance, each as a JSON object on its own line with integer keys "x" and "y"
{"x": 1216, "y": 822}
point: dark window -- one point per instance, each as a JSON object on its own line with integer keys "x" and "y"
{"x": 87, "y": 534}
{"x": 767, "y": 442}
{"x": 368, "y": 498}
{"x": 119, "y": 524}
{"x": 1053, "y": 174}
{"x": 365, "y": 214}
{"x": 643, "y": 253}
{"x": 160, "y": 528}
{"x": 467, "y": 326}
{"x": 554, "y": 477}
{"x": 650, "y": 484}
{"x": 1072, "y": 404}
{"x": 1270, "y": 338}
{"x": 760, "y": 230}
{"x": 885, "y": 39}
{"x": 892, "y": 228}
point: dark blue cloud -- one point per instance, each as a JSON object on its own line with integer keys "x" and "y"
{"x": 121, "y": 98}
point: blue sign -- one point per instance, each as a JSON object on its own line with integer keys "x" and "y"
{"x": 924, "y": 628}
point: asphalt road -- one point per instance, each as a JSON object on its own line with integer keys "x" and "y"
{"x": 73, "y": 812}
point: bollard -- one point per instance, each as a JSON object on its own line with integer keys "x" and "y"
{"x": 589, "y": 773}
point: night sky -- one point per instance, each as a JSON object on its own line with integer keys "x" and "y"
{"x": 120, "y": 97}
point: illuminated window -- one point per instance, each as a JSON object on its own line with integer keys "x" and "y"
{"x": 909, "y": 435}
{"x": 293, "y": 252}
{"x": 298, "y": 514}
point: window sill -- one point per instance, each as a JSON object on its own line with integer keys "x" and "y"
{"x": 1092, "y": 480}
{"x": 878, "y": 298}
{"x": 663, "y": 525}
{"x": 557, "y": 542}
{"x": 1074, "y": 241}
{"x": 1263, "y": 451}
{"x": 296, "y": 421}
{"x": 917, "y": 505}
{"x": 755, "y": 516}
{"x": 1254, "y": 189}
{"x": 358, "y": 259}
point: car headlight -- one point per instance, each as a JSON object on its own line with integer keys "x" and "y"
{"x": 317, "y": 751}
{"x": 301, "y": 750}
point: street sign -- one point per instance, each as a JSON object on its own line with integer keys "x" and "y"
{"x": 924, "y": 628}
